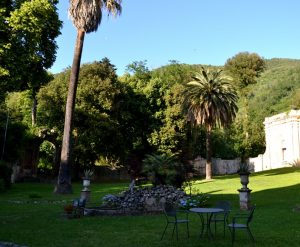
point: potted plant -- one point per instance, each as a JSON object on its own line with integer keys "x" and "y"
{"x": 244, "y": 172}
{"x": 68, "y": 208}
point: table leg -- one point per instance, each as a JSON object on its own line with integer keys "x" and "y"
{"x": 206, "y": 225}
{"x": 209, "y": 233}
{"x": 202, "y": 225}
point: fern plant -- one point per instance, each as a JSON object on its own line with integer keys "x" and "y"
{"x": 164, "y": 169}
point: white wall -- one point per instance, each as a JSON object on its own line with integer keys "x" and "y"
{"x": 282, "y": 141}
{"x": 282, "y": 147}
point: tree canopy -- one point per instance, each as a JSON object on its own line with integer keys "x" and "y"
{"x": 245, "y": 68}
{"x": 109, "y": 121}
{"x": 27, "y": 44}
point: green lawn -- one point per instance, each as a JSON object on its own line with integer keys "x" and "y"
{"x": 30, "y": 214}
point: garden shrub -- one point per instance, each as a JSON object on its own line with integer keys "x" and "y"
{"x": 162, "y": 169}
{"x": 295, "y": 163}
{"x": 194, "y": 201}
{"x": 5, "y": 174}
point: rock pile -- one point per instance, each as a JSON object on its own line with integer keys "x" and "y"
{"x": 150, "y": 199}
{"x": 137, "y": 201}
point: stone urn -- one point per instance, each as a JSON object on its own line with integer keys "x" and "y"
{"x": 244, "y": 192}
{"x": 244, "y": 179}
{"x": 86, "y": 183}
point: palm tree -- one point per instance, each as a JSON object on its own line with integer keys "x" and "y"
{"x": 86, "y": 16}
{"x": 210, "y": 100}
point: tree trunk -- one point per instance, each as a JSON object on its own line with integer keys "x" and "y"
{"x": 33, "y": 110}
{"x": 64, "y": 176}
{"x": 56, "y": 158}
{"x": 208, "y": 153}
{"x": 5, "y": 133}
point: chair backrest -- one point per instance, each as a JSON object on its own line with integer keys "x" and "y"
{"x": 82, "y": 202}
{"x": 170, "y": 212}
{"x": 250, "y": 217}
{"x": 79, "y": 202}
{"x": 225, "y": 205}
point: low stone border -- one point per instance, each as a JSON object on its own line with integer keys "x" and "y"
{"x": 9, "y": 244}
{"x": 55, "y": 202}
{"x": 98, "y": 211}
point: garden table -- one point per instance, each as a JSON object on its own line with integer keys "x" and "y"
{"x": 209, "y": 213}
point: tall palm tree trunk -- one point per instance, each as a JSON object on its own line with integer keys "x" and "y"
{"x": 64, "y": 176}
{"x": 208, "y": 153}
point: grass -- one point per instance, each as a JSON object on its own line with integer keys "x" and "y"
{"x": 30, "y": 214}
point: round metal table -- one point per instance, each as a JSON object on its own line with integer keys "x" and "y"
{"x": 209, "y": 213}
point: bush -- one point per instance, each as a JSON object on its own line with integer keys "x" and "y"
{"x": 5, "y": 174}
{"x": 295, "y": 163}
{"x": 162, "y": 169}
{"x": 194, "y": 201}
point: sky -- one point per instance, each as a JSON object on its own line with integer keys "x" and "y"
{"x": 190, "y": 31}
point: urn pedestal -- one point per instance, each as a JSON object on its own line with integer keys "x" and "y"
{"x": 85, "y": 192}
{"x": 244, "y": 192}
{"x": 244, "y": 198}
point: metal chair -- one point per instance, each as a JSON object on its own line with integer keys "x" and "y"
{"x": 242, "y": 221}
{"x": 175, "y": 217}
{"x": 78, "y": 207}
{"x": 223, "y": 216}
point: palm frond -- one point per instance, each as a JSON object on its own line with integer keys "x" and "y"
{"x": 210, "y": 99}
{"x": 86, "y": 15}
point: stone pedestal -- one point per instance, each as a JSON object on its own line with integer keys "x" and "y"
{"x": 85, "y": 194}
{"x": 244, "y": 198}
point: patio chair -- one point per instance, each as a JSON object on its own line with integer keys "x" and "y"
{"x": 221, "y": 217}
{"x": 175, "y": 217}
{"x": 242, "y": 221}
{"x": 78, "y": 207}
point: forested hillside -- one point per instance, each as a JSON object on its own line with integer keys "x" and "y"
{"x": 277, "y": 90}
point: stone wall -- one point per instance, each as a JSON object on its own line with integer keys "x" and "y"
{"x": 219, "y": 166}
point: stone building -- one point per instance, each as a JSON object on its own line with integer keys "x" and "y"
{"x": 282, "y": 133}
